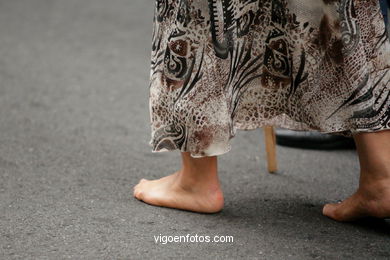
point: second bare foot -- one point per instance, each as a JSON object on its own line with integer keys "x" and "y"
{"x": 369, "y": 201}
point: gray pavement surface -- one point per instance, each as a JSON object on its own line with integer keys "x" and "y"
{"x": 74, "y": 133}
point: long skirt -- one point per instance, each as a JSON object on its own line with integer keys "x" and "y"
{"x": 222, "y": 65}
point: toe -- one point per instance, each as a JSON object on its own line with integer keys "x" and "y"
{"x": 329, "y": 210}
{"x": 138, "y": 194}
{"x": 136, "y": 190}
{"x": 135, "y": 187}
{"x": 347, "y": 210}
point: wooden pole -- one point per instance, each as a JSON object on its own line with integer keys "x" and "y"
{"x": 270, "y": 146}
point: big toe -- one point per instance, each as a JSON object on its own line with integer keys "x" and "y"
{"x": 137, "y": 190}
{"x": 347, "y": 210}
{"x": 138, "y": 193}
{"x": 330, "y": 210}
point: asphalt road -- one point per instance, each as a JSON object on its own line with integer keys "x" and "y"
{"x": 74, "y": 133}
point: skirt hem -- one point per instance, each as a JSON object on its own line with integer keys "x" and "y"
{"x": 344, "y": 132}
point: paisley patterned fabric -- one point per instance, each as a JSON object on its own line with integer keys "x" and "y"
{"x": 222, "y": 65}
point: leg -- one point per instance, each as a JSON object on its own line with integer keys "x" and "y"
{"x": 270, "y": 146}
{"x": 373, "y": 195}
{"x": 195, "y": 187}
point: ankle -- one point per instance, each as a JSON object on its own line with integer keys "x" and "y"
{"x": 194, "y": 183}
{"x": 379, "y": 177}
{"x": 375, "y": 188}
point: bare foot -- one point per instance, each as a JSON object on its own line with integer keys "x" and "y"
{"x": 370, "y": 201}
{"x": 172, "y": 192}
